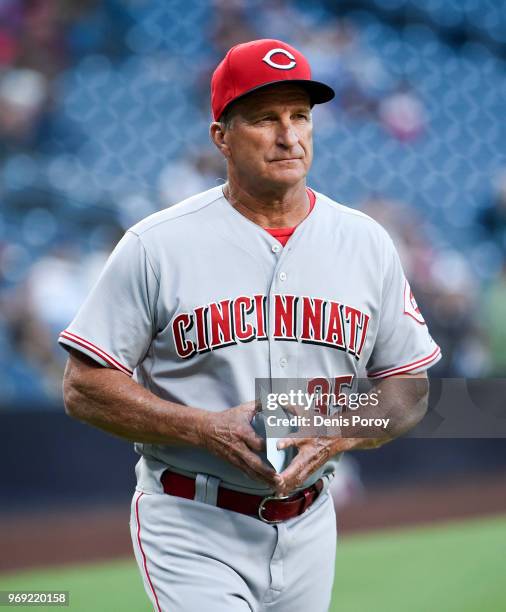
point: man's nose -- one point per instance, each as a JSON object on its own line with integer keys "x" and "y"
{"x": 287, "y": 135}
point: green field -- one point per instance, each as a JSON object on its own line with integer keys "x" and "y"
{"x": 457, "y": 567}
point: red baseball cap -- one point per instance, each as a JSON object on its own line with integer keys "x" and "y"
{"x": 249, "y": 66}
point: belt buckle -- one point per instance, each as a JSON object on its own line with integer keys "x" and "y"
{"x": 262, "y": 506}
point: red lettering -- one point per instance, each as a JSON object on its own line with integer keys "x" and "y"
{"x": 312, "y": 319}
{"x": 221, "y": 324}
{"x": 243, "y": 331}
{"x": 335, "y": 334}
{"x": 180, "y": 325}
{"x": 364, "y": 334}
{"x": 260, "y": 305}
{"x": 285, "y": 317}
{"x": 200, "y": 319}
{"x": 354, "y": 316}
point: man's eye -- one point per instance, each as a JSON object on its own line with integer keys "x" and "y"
{"x": 302, "y": 116}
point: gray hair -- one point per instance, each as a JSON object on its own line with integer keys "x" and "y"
{"x": 226, "y": 119}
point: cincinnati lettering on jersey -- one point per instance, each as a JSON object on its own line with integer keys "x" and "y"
{"x": 245, "y": 318}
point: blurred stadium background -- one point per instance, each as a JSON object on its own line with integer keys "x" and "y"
{"x": 104, "y": 114}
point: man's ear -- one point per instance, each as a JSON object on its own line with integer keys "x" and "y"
{"x": 217, "y": 133}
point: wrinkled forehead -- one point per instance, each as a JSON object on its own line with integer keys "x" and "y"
{"x": 272, "y": 97}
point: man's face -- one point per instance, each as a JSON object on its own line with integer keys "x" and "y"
{"x": 269, "y": 139}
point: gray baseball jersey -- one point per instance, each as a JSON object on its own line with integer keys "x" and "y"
{"x": 197, "y": 301}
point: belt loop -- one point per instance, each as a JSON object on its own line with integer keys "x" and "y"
{"x": 206, "y": 489}
{"x": 213, "y": 485}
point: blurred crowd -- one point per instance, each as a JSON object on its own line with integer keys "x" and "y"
{"x": 93, "y": 95}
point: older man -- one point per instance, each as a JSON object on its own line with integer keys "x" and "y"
{"x": 262, "y": 278}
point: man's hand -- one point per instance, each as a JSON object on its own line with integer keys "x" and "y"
{"x": 114, "y": 402}
{"x": 230, "y": 436}
{"x": 404, "y": 401}
{"x": 312, "y": 454}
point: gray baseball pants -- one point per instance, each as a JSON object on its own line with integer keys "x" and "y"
{"x": 193, "y": 555}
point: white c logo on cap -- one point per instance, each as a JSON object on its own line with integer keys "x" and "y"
{"x": 269, "y": 54}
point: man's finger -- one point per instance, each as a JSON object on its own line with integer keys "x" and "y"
{"x": 298, "y": 442}
{"x": 296, "y": 473}
{"x": 254, "y": 441}
{"x": 295, "y": 469}
{"x": 250, "y": 408}
{"x": 283, "y": 443}
{"x": 244, "y": 466}
{"x": 270, "y": 478}
{"x": 255, "y": 463}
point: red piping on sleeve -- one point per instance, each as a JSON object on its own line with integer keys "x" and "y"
{"x": 95, "y": 349}
{"x": 410, "y": 366}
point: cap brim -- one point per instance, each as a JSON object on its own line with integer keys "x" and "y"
{"x": 318, "y": 92}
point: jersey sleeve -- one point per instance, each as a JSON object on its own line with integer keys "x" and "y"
{"x": 116, "y": 323}
{"x": 403, "y": 344}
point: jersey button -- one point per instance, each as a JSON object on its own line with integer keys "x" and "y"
{"x": 283, "y": 362}
{"x": 282, "y": 276}
{"x": 276, "y": 248}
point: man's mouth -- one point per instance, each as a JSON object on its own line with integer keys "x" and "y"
{"x": 284, "y": 159}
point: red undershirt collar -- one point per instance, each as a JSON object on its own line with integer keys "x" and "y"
{"x": 283, "y": 233}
